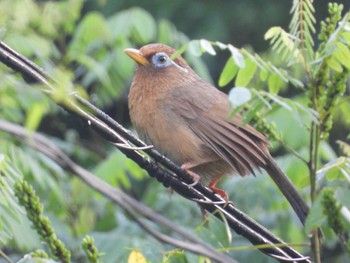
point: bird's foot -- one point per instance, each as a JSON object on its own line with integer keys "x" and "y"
{"x": 195, "y": 176}
{"x": 219, "y": 191}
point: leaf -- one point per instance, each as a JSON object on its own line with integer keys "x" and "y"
{"x": 206, "y": 45}
{"x": 345, "y": 147}
{"x": 315, "y": 217}
{"x": 279, "y": 101}
{"x": 29, "y": 46}
{"x": 111, "y": 169}
{"x": 97, "y": 70}
{"x": 228, "y": 73}
{"x": 237, "y": 56}
{"x": 136, "y": 257}
{"x": 272, "y": 32}
{"x": 239, "y": 95}
{"x": 263, "y": 75}
{"x": 29, "y": 259}
{"x": 346, "y": 36}
{"x": 221, "y": 45}
{"x": 343, "y": 196}
{"x": 274, "y": 83}
{"x": 246, "y": 74}
{"x": 332, "y": 166}
{"x": 334, "y": 64}
{"x": 165, "y": 31}
{"x": 119, "y": 24}
{"x": 143, "y": 24}
{"x": 342, "y": 54}
{"x": 195, "y": 48}
{"x": 214, "y": 232}
{"x": 92, "y": 27}
{"x": 34, "y": 116}
{"x": 302, "y": 22}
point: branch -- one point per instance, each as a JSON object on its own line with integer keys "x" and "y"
{"x": 169, "y": 174}
{"x": 134, "y": 208}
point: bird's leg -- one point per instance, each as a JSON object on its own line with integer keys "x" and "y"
{"x": 218, "y": 191}
{"x": 189, "y": 165}
{"x": 195, "y": 176}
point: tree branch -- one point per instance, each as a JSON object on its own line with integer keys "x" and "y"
{"x": 134, "y": 208}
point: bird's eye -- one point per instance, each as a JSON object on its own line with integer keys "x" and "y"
{"x": 161, "y": 60}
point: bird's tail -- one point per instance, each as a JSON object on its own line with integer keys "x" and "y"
{"x": 288, "y": 189}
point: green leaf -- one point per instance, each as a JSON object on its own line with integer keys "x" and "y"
{"x": 144, "y": 25}
{"x": 97, "y": 70}
{"x": 221, "y": 45}
{"x": 334, "y": 64}
{"x": 228, "y": 73}
{"x": 195, "y": 48}
{"x": 331, "y": 169}
{"x": 165, "y": 31}
{"x": 176, "y": 256}
{"x": 206, "y": 45}
{"x": 272, "y": 32}
{"x": 342, "y": 54}
{"x": 345, "y": 148}
{"x": 92, "y": 27}
{"x": 30, "y": 259}
{"x": 239, "y": 95}
{"x": 246, "y": 74}
{"x": 34, "y": 116}
{"x": 315, "y": 217}
{"x": 112, "y": 171}
{"x": 237, "y": 56}
{"x": 274, "y": 83}
{"x": 263, "y": 75}
{"x": 29, "y": 46}
{"x": 343, "y": 196}
{"x": 346, "y": 36}
{"x": 214, "y": 232}
{"x": 119, "y": 25}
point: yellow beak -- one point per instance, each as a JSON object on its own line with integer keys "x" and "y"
{"x": 136, "y": 55}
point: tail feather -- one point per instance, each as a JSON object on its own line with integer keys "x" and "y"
{"x": 288, "y": 189}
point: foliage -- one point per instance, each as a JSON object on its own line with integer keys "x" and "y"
{"x": 295, "y": 93}
{"x": 90, "y": 249}
{"x": 34, "y": 209}
{"x": 326, "y": 71}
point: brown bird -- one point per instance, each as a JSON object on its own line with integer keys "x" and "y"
{"x": 186, "y": 119}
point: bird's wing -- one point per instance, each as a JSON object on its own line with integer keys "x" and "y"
{"x": 241, "y": 146}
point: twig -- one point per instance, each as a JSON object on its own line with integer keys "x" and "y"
{"x": 5, "y": 257}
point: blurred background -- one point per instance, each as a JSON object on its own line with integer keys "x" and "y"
{"x": 82, "y": 42}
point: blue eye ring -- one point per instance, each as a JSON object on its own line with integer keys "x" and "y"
{"x": 161, "y": 60}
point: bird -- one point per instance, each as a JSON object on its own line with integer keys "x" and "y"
{"x": 188, "y": 120}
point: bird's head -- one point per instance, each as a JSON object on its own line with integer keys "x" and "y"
{"x": 156, "y": 60}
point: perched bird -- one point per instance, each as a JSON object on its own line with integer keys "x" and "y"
{"x": 187, "y": 119}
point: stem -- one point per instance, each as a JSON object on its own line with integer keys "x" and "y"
{"x": 313, "y": 154}
{"x": 5, "y": 257}
{"x": 314, "y": 147}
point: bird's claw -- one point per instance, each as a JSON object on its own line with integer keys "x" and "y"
{"x": 195, "y": 177}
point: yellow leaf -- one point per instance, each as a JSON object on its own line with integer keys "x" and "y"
{"x": 136, "y": 257}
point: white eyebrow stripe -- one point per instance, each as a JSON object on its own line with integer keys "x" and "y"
{"x": 179, "y": 67}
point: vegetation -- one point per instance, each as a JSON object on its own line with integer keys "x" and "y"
{"x": 296, "y": 92}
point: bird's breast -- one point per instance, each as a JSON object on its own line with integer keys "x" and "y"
{"x": 158, "y": 124}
